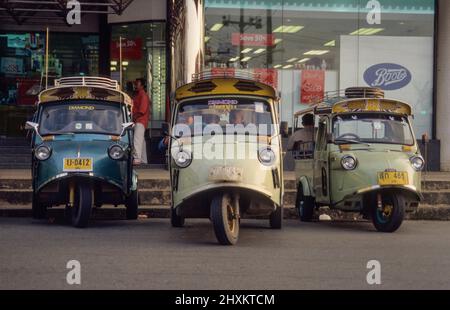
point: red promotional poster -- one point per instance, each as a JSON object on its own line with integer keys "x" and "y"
{"x": 268, "y": 76}
{"x": 312, "y": 86}
{"x": 27, "y": 91}
{"x": 252, "y": 39}
{"x": 131, "y": 49}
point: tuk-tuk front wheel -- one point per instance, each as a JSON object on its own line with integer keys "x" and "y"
{"x": 132, "y": 205}
{"x": 38, "y": 210}
{"x": 81, "y": 211}
{"x": 175, "y": 219}
{"x": 388, "y": 216}
{"x": 225, "y": 218}
{"x": 305, "y": 205}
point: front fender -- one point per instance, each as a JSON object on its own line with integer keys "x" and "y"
{"x": 410, "y": 190}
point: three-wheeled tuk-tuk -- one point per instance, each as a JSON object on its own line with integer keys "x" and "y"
{"x": 225, "y": 153}
{"x": 82, "y": 149}
{"x": 364, "y": 158}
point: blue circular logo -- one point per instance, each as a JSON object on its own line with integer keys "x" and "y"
{"x": 387, "y": 76}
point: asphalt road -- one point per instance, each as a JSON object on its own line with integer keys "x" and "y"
{"x": 149, "y": 254}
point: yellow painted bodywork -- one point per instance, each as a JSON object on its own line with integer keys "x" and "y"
{"x": 372, "y": 105}
{"x": 83, "y": 92}
{"x": 224, "y": 87}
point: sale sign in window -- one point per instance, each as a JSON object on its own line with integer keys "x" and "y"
{"x": 312, "y": 86}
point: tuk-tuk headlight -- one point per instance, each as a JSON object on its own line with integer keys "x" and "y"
{"x": 116, "y": 152}
{"x": 417, "y": 162}
{"x": 43, "y": 152}
{"x": 182, "y": 159}
{"x": 267, "y": 156}
{"x": 348, "y": 162}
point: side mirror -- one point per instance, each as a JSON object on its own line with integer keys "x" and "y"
{"x": 165, "y": 129}
{"x": 31, "y": 126}
{"x": 126, "y": 126}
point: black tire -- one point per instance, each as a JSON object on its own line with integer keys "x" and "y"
{"x": 176, "y": 220}
{"x": 276, "y": 218}
{"x": 81, "y": 211}
{"x": 225, "y": 218}
{"x": 305, "y": 205}
{"x": 390, "y": 218}
{"x": 132, "y": 205}
{"x": 38, "y": 210}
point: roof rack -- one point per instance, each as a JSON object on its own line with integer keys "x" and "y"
{"x": 225, "y": 73}
{"x": 88, "y": 81}
{"x": 335, "y": 96}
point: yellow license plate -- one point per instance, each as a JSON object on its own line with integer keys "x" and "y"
{"x": 77, "y": 164}
{"x": 393, "y": 178}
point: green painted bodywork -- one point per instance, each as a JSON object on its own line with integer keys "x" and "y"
{"x": 118, "y": 173}
{"x": 193, "y": 180}
{"x": 345, "y": 186}
{"x": 86, "y": 145}
{"x": 257, "y": 179}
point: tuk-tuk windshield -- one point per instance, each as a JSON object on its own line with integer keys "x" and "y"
{"x": 80, "y": 117}
{"x": 372, "y": 128}
{"x": 226, "y": 115}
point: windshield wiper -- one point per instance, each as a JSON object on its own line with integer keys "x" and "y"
{"x": 353, "y": 141}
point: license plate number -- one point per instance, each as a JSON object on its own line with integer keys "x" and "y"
{"x": 77, "y": 164}
{"x": 392, "y": 178}
{"x": 226, "y": 174}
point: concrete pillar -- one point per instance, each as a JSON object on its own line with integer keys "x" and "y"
{"x": 443, "y": 83}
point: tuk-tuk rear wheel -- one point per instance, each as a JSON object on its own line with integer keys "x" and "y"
{"x": 276, "y": 218}
{"x": 305, "y": 205}
{"x": 132, "y": 205}
{"x": 39, "y": 211}
{"x": 176, "y": 220}
{"x": 81, "y": 211}
{"x": 390, "y": 217}
{"x": 225, "y": 218}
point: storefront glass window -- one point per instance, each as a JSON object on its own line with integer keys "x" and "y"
{"x": 21, "y": 70}
{"x": 306, "y": 48}
{"x": 143, "y": 56}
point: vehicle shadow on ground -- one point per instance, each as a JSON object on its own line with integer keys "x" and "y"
{"x": 342, "y": 225}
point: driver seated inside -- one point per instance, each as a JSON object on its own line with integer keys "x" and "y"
{"x": 302, "y": 135}
{"x": 237, "y": 117}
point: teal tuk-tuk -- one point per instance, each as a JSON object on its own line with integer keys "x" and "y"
{"x": 82, "y": 149}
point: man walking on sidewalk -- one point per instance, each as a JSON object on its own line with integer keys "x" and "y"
{"x": 141, "y": 116}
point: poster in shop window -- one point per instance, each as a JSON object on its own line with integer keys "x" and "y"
{"x": 268, "y": 76}
{"x": 312, "y": 86}
{"x": 131, "y": 49}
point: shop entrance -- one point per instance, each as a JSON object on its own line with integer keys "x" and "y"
{"x": 143, "y": 56}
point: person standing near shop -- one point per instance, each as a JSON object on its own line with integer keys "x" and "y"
{"x": 141, "y": 115}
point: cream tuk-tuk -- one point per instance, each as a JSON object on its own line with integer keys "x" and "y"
{"x": 225, "y": 153}
{"x": 364, "y": 158}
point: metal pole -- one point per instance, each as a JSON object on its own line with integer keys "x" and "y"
{"x": 46, "y": 58}
{"x": 120, "y": 61}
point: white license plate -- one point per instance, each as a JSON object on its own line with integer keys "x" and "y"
{"x": 225, "y": 174}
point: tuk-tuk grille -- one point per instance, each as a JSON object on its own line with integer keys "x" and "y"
{"x": 246, "y": 86}
{"x": 202, "y": 87}
{"x": 88, "y": 81}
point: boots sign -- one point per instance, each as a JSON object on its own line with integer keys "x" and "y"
{"x": 387, "y": 76}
